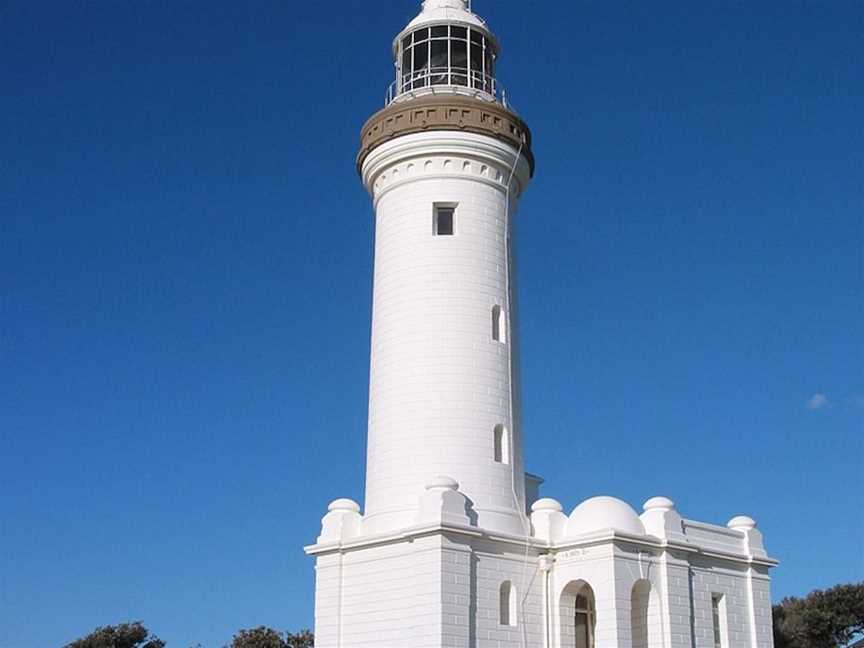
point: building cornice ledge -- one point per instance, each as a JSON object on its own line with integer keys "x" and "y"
{"x": 608, "y": 536}
{"x": 412, "y": 533}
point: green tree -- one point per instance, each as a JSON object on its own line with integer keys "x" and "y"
{"x": 125, "y": 635}
{"x": 268, "y": 638}
{"x": 831, "y": 618}
{"x": 303, "y": 639}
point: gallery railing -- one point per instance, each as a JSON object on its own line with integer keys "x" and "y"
{"x": 451, "y": 79}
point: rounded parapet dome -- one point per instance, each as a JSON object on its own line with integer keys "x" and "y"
{"x": 742, "y": 523}
{"x": 546, "y": 504}
{"x": 601, "y": 513}
{"x": 344, "y": 505}
{"x": 659, "y": 504}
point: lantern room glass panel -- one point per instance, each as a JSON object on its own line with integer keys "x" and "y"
{"x": 445, "y": 55}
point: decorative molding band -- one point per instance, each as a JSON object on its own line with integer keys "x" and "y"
{"x": 420, "y": 156}
{"x": 557, "y": 549}
{"x": 445, "y": 113}
{"x": 420, "y": 531}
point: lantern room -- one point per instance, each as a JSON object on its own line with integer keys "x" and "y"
{"x": 445, "y": 47}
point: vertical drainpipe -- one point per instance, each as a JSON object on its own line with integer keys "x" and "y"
{"x": 692, "y": 607}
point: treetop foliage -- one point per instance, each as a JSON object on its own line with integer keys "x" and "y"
{"x": 268, "y": 638}
{"x": 135, "y": 635}
{"x": 125, "y": 635}
{"x": 832, "y": 618}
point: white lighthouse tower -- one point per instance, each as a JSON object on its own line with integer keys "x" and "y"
{"x": 445, "y": 164}
{"x": 453, "y": 547}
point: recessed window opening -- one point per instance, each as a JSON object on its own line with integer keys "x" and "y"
{"x": 502, "y": 445}
{"x": 444, "y": 220}
{"x": 507, "y": 604}
{"x": 499, "y": 329}
{"x": 584, "y": 621}
{"x": 644, "y": 616}
{"x": 718, "y": 613}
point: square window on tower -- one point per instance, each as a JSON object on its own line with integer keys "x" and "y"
{"x": 445, "y": 217}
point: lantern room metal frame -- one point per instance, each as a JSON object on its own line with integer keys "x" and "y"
{"x": 447, "y": 55}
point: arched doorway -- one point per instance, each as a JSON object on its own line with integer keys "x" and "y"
{"x": 578, "y": 615}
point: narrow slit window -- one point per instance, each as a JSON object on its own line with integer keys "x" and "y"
{"x": 502, "y": 445}
{"x": 499, "y": 329}
{"x": 718, "y": 613}
{"x": 445, "y": 216}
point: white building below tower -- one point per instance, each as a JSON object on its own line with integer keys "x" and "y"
{"x": 454, "y": 547}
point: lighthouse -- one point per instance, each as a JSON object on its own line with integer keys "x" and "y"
{"x": 453, "y": 545}
{"x": 445, "y": 164}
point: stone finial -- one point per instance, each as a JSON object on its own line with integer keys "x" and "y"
{"x": 342, "y": 521}
{"x": 659, "y": 504}
{"x": 662, "y": 520}
{"x": 547, "y": 519}
{"x": 344, "y": 505}
{"x": 742, "y": 523}
{"x": 546, "y": 504}
{"x": 442, "y": 503}
{"x": 753, "y": 542}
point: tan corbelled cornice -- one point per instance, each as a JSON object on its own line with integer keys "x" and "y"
{"x": 442, "y": 112}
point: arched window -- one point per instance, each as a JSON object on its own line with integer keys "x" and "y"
{"x": 499, "y": 328}
{"x": 507, "y": 604}
{"x": 641, "y": 617}
{"x": 578, "y": 616}
{"x": 502, "y": 444}
{"x": 645, "y": 616}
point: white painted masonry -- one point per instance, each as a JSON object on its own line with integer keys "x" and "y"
{"x": 440, "y": 383}
{"x": 446, "y": 527}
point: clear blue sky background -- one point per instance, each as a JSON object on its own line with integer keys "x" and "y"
{"x": 185, "y": 286}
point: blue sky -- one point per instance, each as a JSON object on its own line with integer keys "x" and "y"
{"x": 185, "y": 287}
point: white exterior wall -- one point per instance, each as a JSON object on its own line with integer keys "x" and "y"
{"x": 439, "y": 383}
{"x": 435, "y": 591}
{"x": 388, "y": 595}
{"x": 761, "y": 607}
{"x": 495, "y": 564}
{"x": 642, "y": 621}
{"x": 595, "y": 567}
{"x": 677, "y": 621}
{"x": 679, "y": 610}
{"x": 730, "y": 580}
